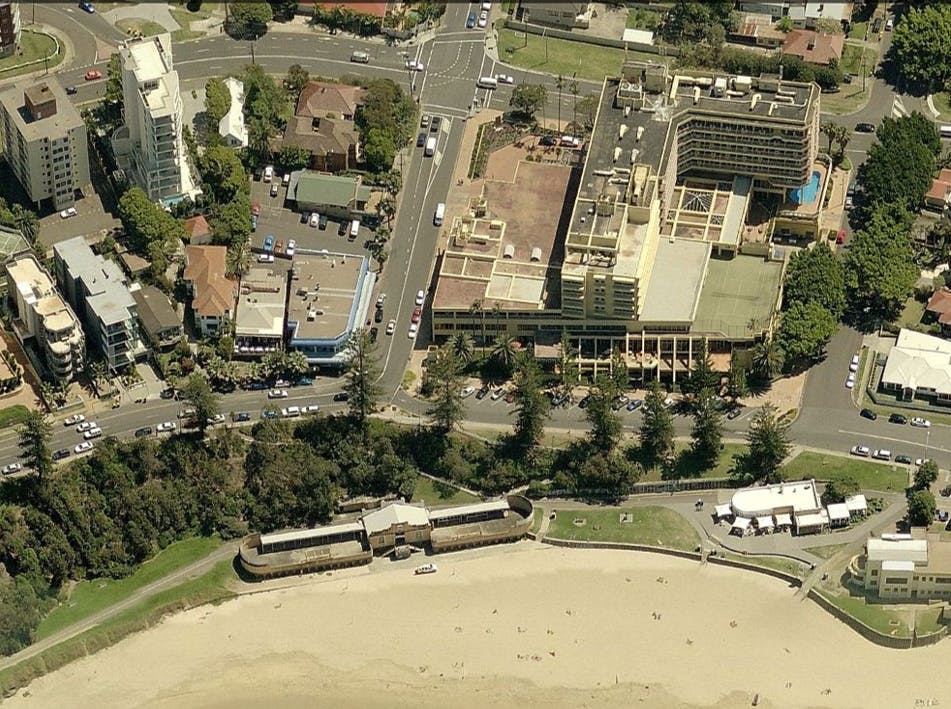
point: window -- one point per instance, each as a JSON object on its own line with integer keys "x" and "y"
{"x": 895, "y": 581}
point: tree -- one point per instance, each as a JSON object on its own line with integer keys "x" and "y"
{"x": 145, "y": 222}
{"x": 531, "y": 405}
{"x": 768, "y": 358}
{"x": 737, "y": 386}
{"x": 607, "y": 474}
{"x": 114, "y": 80}
{"x": 223, "y": 174}
{"x": 297, "y": 78}
{"x": 248, "y": 20}
{"x": 504, "y": 352}
{"x": 217, "y": 101}
{"x": 926, "y": 474}
{"x": 702, "y": 375}
{"x": 26, "y": 221}
{"x": 620, "y": 377}
{"x": 202, "y": 399}
{"x": 568, "y": 365}
{"x": 834, "y": 132}
{"x": 816, "y": 275}
{"x": 921, "y": 508}
{"x": 707, "y": 431}
{"x": 238, "y": 259}
{"x": 446, "y": 410}
{"x": 900, "y": 166}
{"x": 34, "y": 440}
{"x": 362, "y": 386}
{"x": 880, "y": 271}
{"x": 921, "y": 44}
{"x": 657, "y": 427}
{"x": 587, "y": 109}
{"x": 838, "y": 489}
{"x": 231, "y": 221}
{"x": 378, "y": 150}
{"x": 527, "y": 99}
{"x": 804, "y": 331}
{"x": 605, "y": 423}
{"x": 769, "y": 444}
{"x": 689, "y": 22}
{"x": 386, "y": 122}
{"x": 462, "y": 346}
{"x": 292, "y": 158}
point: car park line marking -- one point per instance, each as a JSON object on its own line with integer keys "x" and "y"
{"x": 895, "y": 440}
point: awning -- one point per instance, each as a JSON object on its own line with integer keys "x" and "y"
{"x": 724, "y": 511}
{"x": 783, "y": 520}
{"x": 741, "y": 523}
{"x": 812, "y": 519}
{"x": 764, "y": 522}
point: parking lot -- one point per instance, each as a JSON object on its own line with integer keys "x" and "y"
{"x": 283, "y": 224}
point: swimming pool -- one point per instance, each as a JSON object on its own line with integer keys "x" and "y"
{"x": 808, "y": 192}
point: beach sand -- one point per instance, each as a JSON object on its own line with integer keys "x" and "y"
{"x": 522, "y": 624}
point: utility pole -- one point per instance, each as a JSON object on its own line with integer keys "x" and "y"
{"x": 252, "y": 52}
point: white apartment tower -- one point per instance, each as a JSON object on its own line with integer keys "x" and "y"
{"x": 152, "y": 107}
{"x": 44, "y": 142}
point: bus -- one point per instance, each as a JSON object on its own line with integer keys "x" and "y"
{"x": 487, "y": 82}
{"x": 430, "y": 147}
{"x": 440, "y": 214}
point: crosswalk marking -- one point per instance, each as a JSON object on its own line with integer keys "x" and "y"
{"x": 898, "y": 108}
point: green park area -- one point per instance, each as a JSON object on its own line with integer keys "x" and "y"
{"x": 90, "y": 597}
{"x": 942, "y": 103}
{"x": 13, "y": 415}
{"x": 826, "y": 552}
{"x": 435, "y": 493}
{"x": 653, "y": 526}
{"x": 136, "y": 27}
{"x": 34, "y": 47}
{"x": 685, "y": 465}
{"x": 870, "y": 476}
{"x": 789, "y": 566}
{"x": 184, "y": 18}
{"x": 874, "y": 615}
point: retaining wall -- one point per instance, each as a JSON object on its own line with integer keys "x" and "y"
{"x": 541, "y": 30}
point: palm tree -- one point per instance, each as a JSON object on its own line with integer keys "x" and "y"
{"x": 25, "y": 220}
{"x": 238, "y": 259}
{"x": 560, "y": 83}
{"x": 575, "y": 90}
{"x": 462, "y": 347}
{"x": 260, "y": 132}
{"x": 768, "y": 358}
{"x": 476, "y": 309}
{"x": 504, "y": 351}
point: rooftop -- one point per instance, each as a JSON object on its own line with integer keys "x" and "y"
{"x": 398, "y": 513}
{"x": 54, "y": 126}
{"x": 509, "y": 255}
{"x": 919, "y": 361}
{"x": 321, "y": 136}
{"x": 312, "y": 187}
{"x": 37, "y": 287}
{"x": 915, "y": 550}
{"x": 708, "y": 210}
{"x": 155, "y": 310}
{"x": 318, "y": 98}
{"x": 197, "y": 228}
{"x": 260, "y": 311}
{"x": 940, "y": 304}
{"x": 107, "y": 290}
{"x": 738, "y": 296}
{"x": 205, "y": 267}
{"x": 677, "y": 276}
{"x": 324, "y": 295}
{"x": 800, "y": 496}
{"x": 814, "y": 47}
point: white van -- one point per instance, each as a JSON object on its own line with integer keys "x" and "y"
{"x": 430, "y": 147}
{"x": 440, "y": 214}
{"x": 354, "y": 229}
{"x": 268, "y": 173}
{"x": 487, "y": 82}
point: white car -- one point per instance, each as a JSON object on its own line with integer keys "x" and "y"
{"x": 310, "y": 409}
{"x": 497, "y": 394}
{"x": 486, "y": 6}
{"x": 265, "y": 258}
{"x": 12, "y": 468}
{"x": 861, "y": 451}
{"x": 426, "y": 569}
{"x": 483, "y": 19}
{"x": 882, "y": 454}
{"x": 217, "y": 418}
{"x": 85, "y": 425}
{"x": 74, "y": 419}
{"x": 854, "y": 364}
{"x": 380, "y": 300}
{"x": 277, "y": 394}
{"x": 414, "y": 65}
{"x": 920, "y": 422}
{"x": 921, "y": 461}
{"x": 850, "y": 381}
{"x": 468, "y": 391}
{"x": 413, "y": 330}
{"x": 186, "y": 413}
{"x": 505, "y": 79}
{"x": 84, "y": 446}
{"x": 420, "y": 297}
{"x": 92, "y": 433}
{"x": 166, "y": 426}
{"x": 314, "y": 219}
{"x": 290, "y": 248}
{"x": 69, "y": 212}
{"x": 290, "y": 412}
{"x": 391, "y": 327}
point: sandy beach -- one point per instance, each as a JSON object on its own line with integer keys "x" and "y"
{"x": 529, "y": 624}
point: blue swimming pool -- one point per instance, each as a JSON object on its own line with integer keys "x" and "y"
{"x": 807, "y": 193}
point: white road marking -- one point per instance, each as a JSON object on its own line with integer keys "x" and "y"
{"x": 895, "y": 440}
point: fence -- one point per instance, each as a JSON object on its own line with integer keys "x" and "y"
{"x": 660, "y": 50}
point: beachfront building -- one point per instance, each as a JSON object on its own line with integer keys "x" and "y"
{"x": 915, "y": 566}
{"x": 383, "y": 530}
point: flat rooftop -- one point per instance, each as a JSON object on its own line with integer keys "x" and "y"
{"x": 108, "y": 290}
{"x": 55, "y": 126}
{"x": 324, "y": 295}
{"x": 736, "y": 294}
{"x": 677, "y": 277}
{"x": 800, "y": 495}
{"x": 777, "y": 100}
{"x": 260, "y": 311}
{"x": 512, "y": 256}
{"x": 708, "y": 210}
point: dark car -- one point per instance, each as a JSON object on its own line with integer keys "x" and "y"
{"x": 734, "y": 412}
{"x": 270, "y": 414}
{"x": 583, "y": 404}
{"x": 378, "y": 315}
{"x": 471, "y": 21}
{"x": 257, "y": 386}
{"x": 343, "y": 228}
{"x": 304, "y": 216}
{"x": 420, "y": 140}
{"x": 434, "y": 124}
{"x": 144, "y": 431}
{"x": 864, "y": 128}
{"x": 61, "y": 453}
{"x": 869, "y": 414}
{"x": 303, "y": 382}
{"x": 374, "y": 332}
{"x": 903, "y": 459}
{"x": 897, "y": 418}
{"x": 70, "y": 90}
{"x": 634, "y": 404}
{"x": 322, "y": 222}
{"x": 167, "y": 394}
{"x": 242, "y": 416}
{"x": 341, "y": 396}
{"x": 877, "y": 25}
{"x": 548, "y": 140}
{"x": 483, "y": 392}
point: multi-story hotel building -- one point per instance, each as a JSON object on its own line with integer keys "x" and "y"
{"x": 44, "y": 142}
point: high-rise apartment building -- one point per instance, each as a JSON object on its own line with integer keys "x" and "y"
{"x": 152, "y": 110}
{"x": 9, "y": 27}
{"x": 44, "y": 142}
{"x": 41, "y": 313}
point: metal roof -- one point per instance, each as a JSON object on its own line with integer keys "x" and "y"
{"x": 315, "y": 533}
{"x": 476, "y": 508}
{"x": 397, "y": 513}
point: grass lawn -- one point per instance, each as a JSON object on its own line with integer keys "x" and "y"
{"x": 788, "y": 566}
{"x": 685, "y": 465}
{"x": 184, "y": 18}
{"x": 91, "y": 596}
{"x": 858, "y": 30}
{"x": 826, "y": 552}
{"x": 656, "y": 526}
{"x": 435, "y": 493}
{"x": 13, "y": 415}
{"x": 873, "y": 615}
{"x": 639, "y": 18}
{"x": 33, "y": 47}
{"x": 146, "y": 28}
{"x": 911, "y": 314}
{"x": 942, "y": 102}
{"x": 928, "y": 620}
{"x": 537, "y": 516}
{"x": 852, "y": 56}
{"x": 870, "y": 476}
{"x": 564, "y": 57}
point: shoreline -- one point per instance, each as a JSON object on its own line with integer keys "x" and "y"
{"x": 544, "y": 625}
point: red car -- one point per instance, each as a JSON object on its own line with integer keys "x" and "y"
{"x": 279, "y": 246}
{"x": 417, "y": 314}
{"x": 93, "y": 74}
{"x": 840, "y": 237}
{"x": 256, "y": 209}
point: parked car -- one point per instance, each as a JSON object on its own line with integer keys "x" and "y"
{"x": 186, "y": 413}
{"x": 68, "y": 212}
{"x": 897, "y": 418}
{"x": 144, "y": 431}
{"x": 620, "y": 402}
{"x": 360, "y": 57}
{"x": 92, "y": 75}
{"x": 483, "y": 392}
{"x": 426, "y": 569}
{"x": 310, "y": 409}
{"x": 585, "y": 400}
{"x": 882, "y": 454}
{"x": 323, "y": 222}
{"x": 903, "y": 459}
{"x": 279, "y": 246}
{"x": 277, "y": 394}
{"x": 12, "y": 468}
{"x": 269, "y": 243}
{"x": 497, "y": 394}
{"x": 840, "y": 239}
{"x": 270, "y": 414}
{"x": 62, "y": 453}
{"x": 166, "y": 426}
{"x": 414, "y": 65}
{"x": 634, "y": 404}
{"x": 341, "y": 396}
{"x": 391, "y": 327}
{"x": 505, "y": 78}
{"x": 257, "y": 386}
{"x": 87, "y": 7}
{"x": 71, "y": 90}
{"x": 435, "y": 124}
{"x": 417, "y": 314}
{"x": 290, "y": 412}
{"x": 483, "y": 19}
{"x": 467, "y": 392}
{"x": 424, "y": 121}
{"x": 861, "y": 451}
{"x": 215, "y": 420}
{"x": 303, "y": 382}
{"x": 85, "y": 426}
{"x": 241, "y": 416}
{"x": 265, "y": 258}
{"x": 378, "y": 315}
{"x": 92, "y": 433}
{"x": 854, "y": 364}
{"x": 420, "y": 297}
{"x": 421, "y": 140}
{"x": 864, "y": 128}
{"x": 84, "y": 446}
{"x": 919, "y": 422}
{"x": 850, "y": 380}
{"x": 735, "y": 412}
{"x": 869, "y": 414}
{"x": 74, "y": 419}
{"x": 471, "y": 21}
{"x": 413, "y": 330}
{"x": 291, "y": 247}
